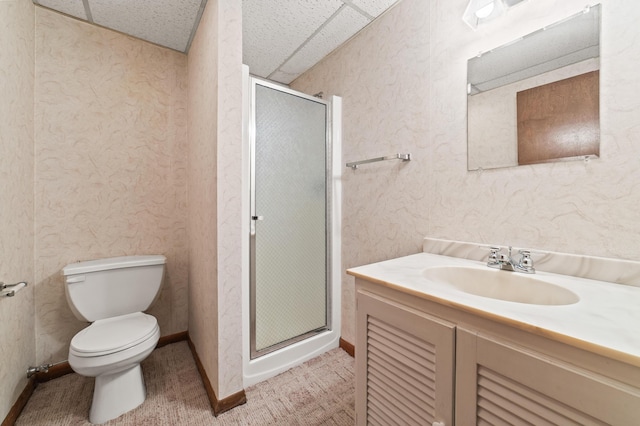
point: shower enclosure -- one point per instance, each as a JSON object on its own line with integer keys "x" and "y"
{"x": 293, "y": 282}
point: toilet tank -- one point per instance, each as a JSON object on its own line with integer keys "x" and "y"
{"x": 105, "y": 288}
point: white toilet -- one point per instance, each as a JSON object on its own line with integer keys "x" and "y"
{"x": 111, "y": 294}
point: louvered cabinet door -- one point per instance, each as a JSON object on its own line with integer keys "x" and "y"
{"x": 404, "y": 371}
{"x": 499, "y": 383}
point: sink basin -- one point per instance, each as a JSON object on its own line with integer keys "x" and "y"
{"x": 502, "y": 285}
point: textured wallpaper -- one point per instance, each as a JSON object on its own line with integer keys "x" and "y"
{"x": 403, "y": 81}
{"x": 382, "y": 75}
{"x": 203, "y": 200}
{"x": 111, "y": 166}
{"x": 215, "y": 179}
{"x": 17, "y": 340}
{"x": 230, "y": 213}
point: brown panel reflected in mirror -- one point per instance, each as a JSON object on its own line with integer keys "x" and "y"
{"x": 559, "y": 120}
{"x": 556, "y": 52}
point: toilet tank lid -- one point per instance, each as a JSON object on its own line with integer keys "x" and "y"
{"x": 112, "y": 263}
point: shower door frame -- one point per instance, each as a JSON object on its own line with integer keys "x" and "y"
{"x": 254, "y": 215}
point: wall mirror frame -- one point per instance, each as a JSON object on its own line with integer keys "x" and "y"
{"x": 536, "y": 99}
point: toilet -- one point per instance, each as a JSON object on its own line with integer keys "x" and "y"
{"x": 112, "y": 294}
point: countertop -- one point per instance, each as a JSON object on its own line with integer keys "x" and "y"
{"x": 606, "y": 320}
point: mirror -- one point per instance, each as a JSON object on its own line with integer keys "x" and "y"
{"x": 536, "y": 99}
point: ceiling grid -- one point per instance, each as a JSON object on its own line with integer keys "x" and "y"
{"x": 281, "y": 38}
{"x": 310, "y": 42}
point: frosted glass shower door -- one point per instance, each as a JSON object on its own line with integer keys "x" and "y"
{"x": 289, "y": 222}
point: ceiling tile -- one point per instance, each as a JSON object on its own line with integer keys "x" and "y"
{"x": 164, "y": 22}
{"x": 273, "y": 30}
{"x": 70, "y": 7}
{"x": 283, "y": 77}
{"x": 373, "y": 7}
{"x": 344, "y": 25}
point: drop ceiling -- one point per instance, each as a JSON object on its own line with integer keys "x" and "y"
{"x": 281, "y": 38}
{"x": 169, "y": 23}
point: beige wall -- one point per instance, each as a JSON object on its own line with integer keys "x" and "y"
{"x": 230, "y": 211}
{"x": 382, "y": 75}
{"x": 215, "y": 185}
{"x": 111, "y": 166}
{"x": 202, "y": 178}
{"x": 403, "y": 83}
{"x": 17, "y": 340}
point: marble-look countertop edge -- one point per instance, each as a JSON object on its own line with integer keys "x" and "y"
{"x": 625, "y": 357}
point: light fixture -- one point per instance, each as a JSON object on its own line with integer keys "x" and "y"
{"x": 479, "y": 11}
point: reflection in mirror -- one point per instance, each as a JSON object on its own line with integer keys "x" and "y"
{"x": 536, "y": 100}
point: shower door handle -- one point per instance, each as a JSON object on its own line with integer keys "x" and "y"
{"x": 254, "y": 220}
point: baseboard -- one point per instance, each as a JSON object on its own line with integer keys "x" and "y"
{"x": 226, "y": 404}
{"x": 21, "y": 402}
{"x": 173, "y": 338}
{"x": 57, "y": 370}
{"x": 218, "y": 406}
{"x": 348, "y": 347}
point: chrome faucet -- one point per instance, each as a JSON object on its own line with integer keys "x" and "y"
{"x": 505, "y": 262}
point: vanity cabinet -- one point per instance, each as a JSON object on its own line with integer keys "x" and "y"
{"x": 420, "y": 362}
{"x": 499, "y": 383}
{"x": 406, "y": 374}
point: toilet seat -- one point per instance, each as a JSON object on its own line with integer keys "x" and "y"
{"x": 112, "y": 335}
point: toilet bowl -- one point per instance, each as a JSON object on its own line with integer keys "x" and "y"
{"x": 111, "y": 351}
{"x": 121, "y": 335}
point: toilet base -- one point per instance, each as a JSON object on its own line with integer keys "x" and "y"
{"x": 115, "y": 394}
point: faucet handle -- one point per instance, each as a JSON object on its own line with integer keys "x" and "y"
{"x": 493, "y": 255}
{"x": 526, "y": 261}
{"x": 526, "y": 255}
